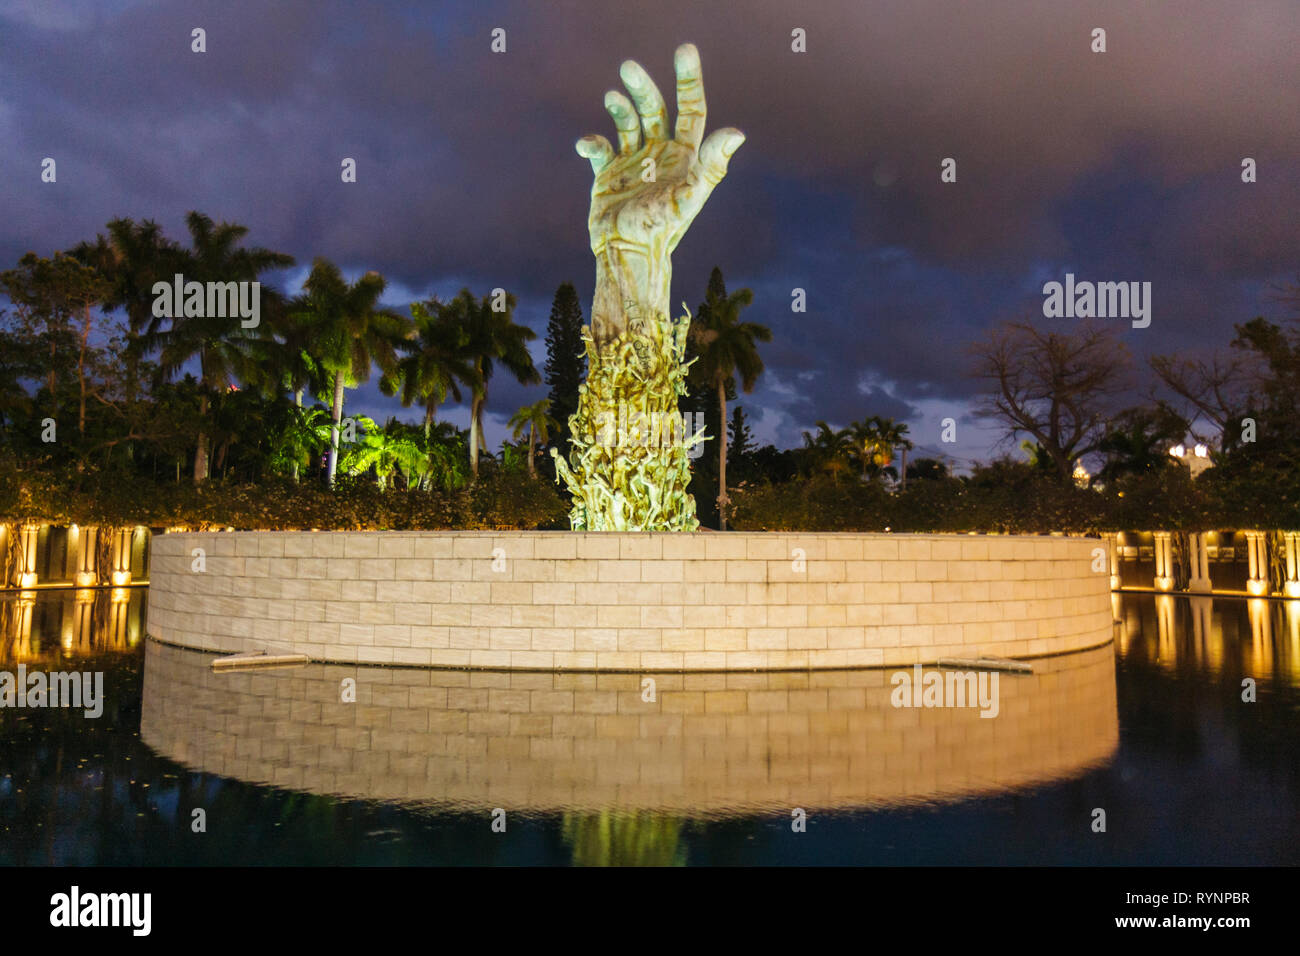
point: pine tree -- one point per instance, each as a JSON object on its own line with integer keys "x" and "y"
{"x": 566, "y": 360}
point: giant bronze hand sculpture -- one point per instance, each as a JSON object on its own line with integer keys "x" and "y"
{"x": 628, "y": 464}
{"x": 646, "y": 195}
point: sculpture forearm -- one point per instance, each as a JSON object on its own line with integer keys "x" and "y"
{"x": 632, "y": 283}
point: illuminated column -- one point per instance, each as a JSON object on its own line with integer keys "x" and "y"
{"x": 1200, "y": 582}
{"x": 86, "y": 576}
{"x": 1292, "y": 586}
{"x": 122, "y": 556}
{"x": 1255, "y": 549}
{"x": 1112, "y": 550}
{"x": 1164, "y": 549}
{"x": 27, "y": 538}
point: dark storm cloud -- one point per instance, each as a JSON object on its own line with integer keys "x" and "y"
{"x": 1124, "y": 165}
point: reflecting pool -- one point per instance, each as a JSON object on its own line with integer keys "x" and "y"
{"x": 330, "y": 764}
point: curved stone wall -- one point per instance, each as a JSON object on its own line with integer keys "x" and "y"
{"x": 707, "y": 745}
{"x": 641, "y": 602}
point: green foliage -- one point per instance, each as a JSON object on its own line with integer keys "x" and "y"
{"x": 435, "y": 360}
{"x": 629, "y": 465}
{"x": 566, "y": 359}
{"x": 139, "y": 405}
{"x": 500, "y": 500}
{"x": 1008, "y": 497}
{"x": 385, "y": 451}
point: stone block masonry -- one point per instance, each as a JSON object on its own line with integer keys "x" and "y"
{"x": 627, "y": 601}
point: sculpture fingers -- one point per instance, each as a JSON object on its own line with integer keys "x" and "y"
{"x": 690, "y": 96}
{"x": 625, "y": 118}
{"x": 649, "y": 101}
{"x": 597, "y": 149}
{"x": 717, "y": 152}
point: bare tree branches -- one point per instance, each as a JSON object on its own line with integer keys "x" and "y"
{"x": 1057, "y": 388}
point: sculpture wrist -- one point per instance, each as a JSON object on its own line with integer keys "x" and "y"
{"x": 632, "y": 283}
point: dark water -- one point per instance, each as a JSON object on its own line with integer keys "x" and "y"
{"x": 1152, "y": 729}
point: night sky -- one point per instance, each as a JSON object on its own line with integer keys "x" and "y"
{"x": 1122, "y": 166}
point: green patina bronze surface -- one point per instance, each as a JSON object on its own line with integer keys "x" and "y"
{"x": 643, "y": 199}
{"x": 629, "y": 461}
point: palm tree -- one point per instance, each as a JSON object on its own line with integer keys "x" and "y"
{"x": 829, "y": 449}
{"x": 304, "y": 434}
{"x": 281, "y": 361}
{"x": 490, "y": 337}
{"x": 351, "y": 333}
{"x": 221, "y": 344}
{"x": 133, "y": 256}
{"x": 874, "y": 441}
{"x": 445, "y": 451}
{"x": 725, "y": 346}
{"x": 435, "y": 363}
{"x": 284, "y": 360}
{"x": 893, "y": 435}
{"x": 385, "y": 450}
{"x": 536, "y": 418}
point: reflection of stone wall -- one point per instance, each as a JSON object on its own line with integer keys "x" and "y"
{"x": 712, "y": 743}
{"x": 629, "y": 601}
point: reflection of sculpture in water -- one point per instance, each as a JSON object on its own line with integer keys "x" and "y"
{"x": 644, "y": 198}
{"x": 624, "y": 838}
{"x": 584, "y": 744}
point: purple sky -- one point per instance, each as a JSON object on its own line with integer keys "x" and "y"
{"x": 1122, "y": 166}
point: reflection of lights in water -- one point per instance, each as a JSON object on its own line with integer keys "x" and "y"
{"x": 1261, "y": 633}
{"x": 1207, "y": 640}
{"x": 1121, "y": 627}
{"x": 1166, "y": 633}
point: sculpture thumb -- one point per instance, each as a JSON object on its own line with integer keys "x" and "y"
{"x": 718, "y": 150}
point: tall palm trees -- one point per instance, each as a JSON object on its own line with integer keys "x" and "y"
{"x": 435, "y": 362}
{"x": 725, "y": 346}
{"x": 351, "y": 333}
{"x": 220, "y": 343}
{"x": 133, "y": 256}
{"x": 491, "y": 338}
{"x": 537, "y": 421}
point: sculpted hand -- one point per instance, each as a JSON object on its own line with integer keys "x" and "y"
{"x": 640, "y": 210}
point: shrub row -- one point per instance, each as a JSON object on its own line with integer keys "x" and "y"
{"x": 1020, "y": 502}
{"x": 497, "y": 501}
